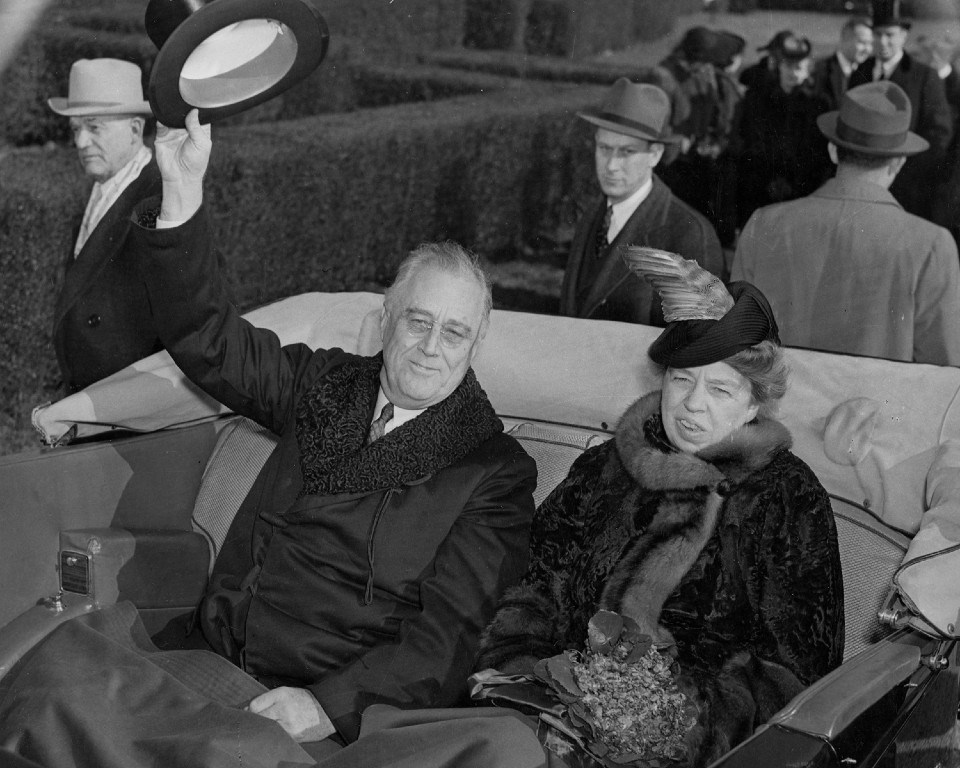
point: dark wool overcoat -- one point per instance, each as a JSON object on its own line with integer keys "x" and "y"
{"x": 601, "y": 286}
{"x": 372, "y": 570}
{"x": 829, "y": 80}
{"x": 101, "y": 318}
{"x": 732, "y": 553}
{"x": 782, "y": 154}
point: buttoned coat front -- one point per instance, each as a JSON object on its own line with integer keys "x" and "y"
{"x": 846, "y": 269}
{"x": 662, "y": 221}
{"x": 102, "y": 320}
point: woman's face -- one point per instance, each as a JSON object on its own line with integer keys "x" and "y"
{"x": 794, "y": 73}
{"x": 701, "y": 406}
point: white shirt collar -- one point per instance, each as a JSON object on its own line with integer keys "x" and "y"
{"x": 400, "y": 415}
{"x": 846, "y": 66}
{"x": 126, "y": 175}
{"x": 621, "y": 212}
{"x": 884, "y": 69}
{"x": 104, "y": 195}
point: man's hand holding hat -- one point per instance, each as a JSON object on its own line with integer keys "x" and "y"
{"x": 183, "y": 156}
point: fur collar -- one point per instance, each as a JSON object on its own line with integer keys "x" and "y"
{"x": 651, "y": 566}
{"x": 334, "y": 415}
{"x": 653, "y": 463}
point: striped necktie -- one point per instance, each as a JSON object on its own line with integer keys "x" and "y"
{"x": 378, "y": 426}
{"x": 602, "y": 243}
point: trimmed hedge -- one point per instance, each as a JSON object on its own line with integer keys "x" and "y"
{"x": 522, "y": 66}
{"x": 570, "y": 28}
{"x": 397, "y": 27}
{"x": 41, "y": 193}
{"x": 362, "y": 189}
{"x": 381, "y": 85}
{"x": 359, "y": 29}
{"x": 125, "y": 20}
{"x": 43, "y": 67}
{"x": 506, "y": 64}
{"x": 326, "y": 203}
{"x": 42, "y": 70}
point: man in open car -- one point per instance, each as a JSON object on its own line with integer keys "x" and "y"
{"x": 376, "y": 542}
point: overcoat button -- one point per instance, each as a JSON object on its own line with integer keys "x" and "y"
{"x": 93, "y": 321}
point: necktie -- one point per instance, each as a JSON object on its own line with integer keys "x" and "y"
{"x": 91, "y": 217}
{"x": 378, "y": 426}
{"x": 602, "y": 243}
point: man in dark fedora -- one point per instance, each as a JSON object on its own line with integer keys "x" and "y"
{"x": 846, "y": 269}
{"x": 931, "y": 117}
{"x": 102, "y": 319}
{"x": 636, "y": 208}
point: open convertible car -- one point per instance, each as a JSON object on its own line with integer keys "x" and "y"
{"x": 136, "y": 507}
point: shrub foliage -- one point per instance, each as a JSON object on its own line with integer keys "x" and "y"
{"x": 327, "y": 203}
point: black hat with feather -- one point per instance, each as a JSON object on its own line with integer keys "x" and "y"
{"x": 707, "y": 322}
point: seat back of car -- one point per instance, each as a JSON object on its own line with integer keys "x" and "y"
{"x": 241, "y": 450}
{"x": 870, "y": 551}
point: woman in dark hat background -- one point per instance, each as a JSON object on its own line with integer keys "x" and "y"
{"x": 696, "y": 521}
{"x": 704, "y": 65}
{"x": 782, "y": 154}
{"x": 765, "y": 69}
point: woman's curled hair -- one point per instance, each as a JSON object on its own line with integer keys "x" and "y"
{"x": 766, "y": 370}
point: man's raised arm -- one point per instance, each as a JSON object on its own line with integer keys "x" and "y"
{"x": 183, "y": 156}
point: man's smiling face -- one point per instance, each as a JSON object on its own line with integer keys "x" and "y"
{"x": 431, "y": 334}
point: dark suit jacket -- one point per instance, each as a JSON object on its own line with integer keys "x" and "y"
{"x": 931, "y": 119}
{"x": 931, "y": 113}
{"x": 661, "y": 221}
{"x": 102, "y": 320}
{"x": 829, "y": 80}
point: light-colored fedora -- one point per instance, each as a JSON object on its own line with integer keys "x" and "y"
{"x": 102, "y": 87}
{"x": 874, "y": 119}
{"x": 634, "y": 109}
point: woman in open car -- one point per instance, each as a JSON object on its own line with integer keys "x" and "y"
{"x": 696, "y": 522}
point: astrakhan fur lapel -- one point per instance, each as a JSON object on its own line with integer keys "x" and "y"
{"x": 694, "y": 490}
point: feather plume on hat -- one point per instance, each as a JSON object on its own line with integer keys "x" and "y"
{"x": 707, "y": 322}
{"x": 687, "y": 290}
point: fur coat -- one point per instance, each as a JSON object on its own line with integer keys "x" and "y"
{"x": 731, "y": 553}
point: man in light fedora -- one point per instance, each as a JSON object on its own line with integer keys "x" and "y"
{"x": 847, "y": 269}
{"x": 636, "y": 208}
{"x": 102, "y": 319}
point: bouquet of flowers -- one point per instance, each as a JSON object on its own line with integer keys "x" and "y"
{"x": 617, "y": 701}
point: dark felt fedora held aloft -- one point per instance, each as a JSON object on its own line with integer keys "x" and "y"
{"x": 634, "y": 109}
{"x": 874, "y": 119}
{"x": 886, "y": 13}
{"x": 225, "y": 56}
